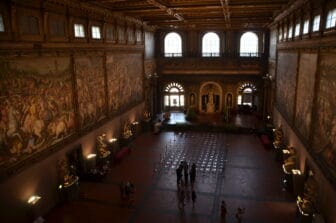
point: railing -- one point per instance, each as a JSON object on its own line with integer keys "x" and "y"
{"x": 173, "y": 55}
{"x": 210, "y": 54}
{"x": 250, "y": 55}
{"x": 215, "y": 55}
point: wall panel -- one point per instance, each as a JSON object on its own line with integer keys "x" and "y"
{"x": 286, "y": 83}
{"x": 36, "y": 105}
{"x": 305, "y": 93}
{"x": 324, "y": 138}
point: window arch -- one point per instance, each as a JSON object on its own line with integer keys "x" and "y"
{"x": 173, "y": 97}
{"x": 210, "y": 45}
{"x": 246, "y": 94}
{"x": 249, "y": 45}
{"x": 173, "y": 45}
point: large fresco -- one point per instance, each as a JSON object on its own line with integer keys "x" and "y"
{"x": 36, "y": 107}
{"x": 286, "y": 83}
{"x": 90, "y": 89}
{"x": 305, "y": 93}
{"x": 324, "y": 138}
{"x": 124, "y": 80}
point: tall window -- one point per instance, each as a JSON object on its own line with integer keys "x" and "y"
{"x": 249, "y": 45}
{"x": 316, "y": 23}
{"x": 173, "y": 97}
{"x": 79, "y": 30}
{"x": 297, "y": 29}
{"x": 290, "y": 32}
{"x": 173, "y": 45}
{"x": 306, "y": 26}
{"x": 210, "y": 45}
{"x": 95, "y": 31}
{"x": 331, "y": 19}
{"x": 285, "y": 32}
{"x": 2, "y": 26}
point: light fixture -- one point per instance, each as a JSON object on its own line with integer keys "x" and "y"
{"x": 33, "y": 199}
{"x": 296, "y": 172}
{"x": 91, "y": 155}
{"x": 285, "y": 151}
{"x": 112, "y": 140}
{"x": 268, "y": 117}
{"x": 135, "y": 123}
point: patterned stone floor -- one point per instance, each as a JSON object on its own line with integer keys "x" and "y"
{"x": 235, "y": 168}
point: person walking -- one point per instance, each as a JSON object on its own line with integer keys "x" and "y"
{"x": 193, "y": 197}
{"x": 193, "y": 174}
{"x": 179, "y": 174}
{"x": 186, "y": 174}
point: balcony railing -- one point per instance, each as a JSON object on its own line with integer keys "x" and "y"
{"x": 215, "y": 55}
{"x": 173, "y": 55}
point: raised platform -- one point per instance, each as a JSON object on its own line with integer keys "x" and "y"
{"x": 239, "y": 123}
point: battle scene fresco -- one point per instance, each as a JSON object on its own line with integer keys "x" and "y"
{"x": 36, "y": 106}
{"x": 324, "y": 137}
{"x": 124, "y": 80}
{"x": 305, "y": 93}
{"x": 90, "y": 89}
{"x": 286, "y": 83}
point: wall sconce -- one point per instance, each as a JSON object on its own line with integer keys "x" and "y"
{"x": 285, "y": 151}
{"x": 268, "y": 117}
{"x": 91, "y": 155}
{"x": 135, "y": 123}
{"x": 112, "y": 140}
{"x": 33, "y": 199}
{"x": 296, "y": 172}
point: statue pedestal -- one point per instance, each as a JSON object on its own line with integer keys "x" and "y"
{"x": 210, "y": 108}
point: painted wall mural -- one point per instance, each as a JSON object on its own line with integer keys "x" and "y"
{"x": 286, "y": 83}
{"x": 124, "y": 80}
{"x": 324, "y": 137}
{"x": 305, "y": 93}
{"x": 90, "y": 89}
{"x": 36, "y": 106}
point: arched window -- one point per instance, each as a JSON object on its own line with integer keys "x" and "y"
{"x": 173, "y": 45}
{"x": 249, "y": 45}
{"x": 210, "y": 45}
{"x": 173, "y": 97}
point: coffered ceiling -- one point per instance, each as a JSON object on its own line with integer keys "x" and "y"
{"x": 226, "y": 14}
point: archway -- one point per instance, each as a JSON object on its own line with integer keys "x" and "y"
{"x": 247, "y": 99}
{"x": 173, "y": 97}
{"x": 210, "y": 98}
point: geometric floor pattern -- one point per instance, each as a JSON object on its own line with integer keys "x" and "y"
{"x": 231, "y": 167}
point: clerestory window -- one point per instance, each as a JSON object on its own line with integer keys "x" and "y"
{"x": 249, "y": 45}
{"x": 210, "y": 45}
{"x": 173, "y": 45}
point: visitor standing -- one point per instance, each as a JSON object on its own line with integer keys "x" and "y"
{"x": 223, "y": 211}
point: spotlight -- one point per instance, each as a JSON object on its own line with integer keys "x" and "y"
{"x": 33, "y": 199}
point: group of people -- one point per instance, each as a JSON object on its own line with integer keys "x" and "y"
{"x": 183, "y": 169}
{"x": 238, "y": 215}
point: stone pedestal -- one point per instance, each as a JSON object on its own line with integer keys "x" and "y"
{"x": 210, "y": 108}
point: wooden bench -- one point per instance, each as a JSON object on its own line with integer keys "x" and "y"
{"x": 265, "y": 141}
{"x": 121, "y": 154}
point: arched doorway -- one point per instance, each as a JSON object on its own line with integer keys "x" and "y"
{"x": 247, "y": 99}
{"x": 210, "y": 100}
{"x": 173, "y": 97}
